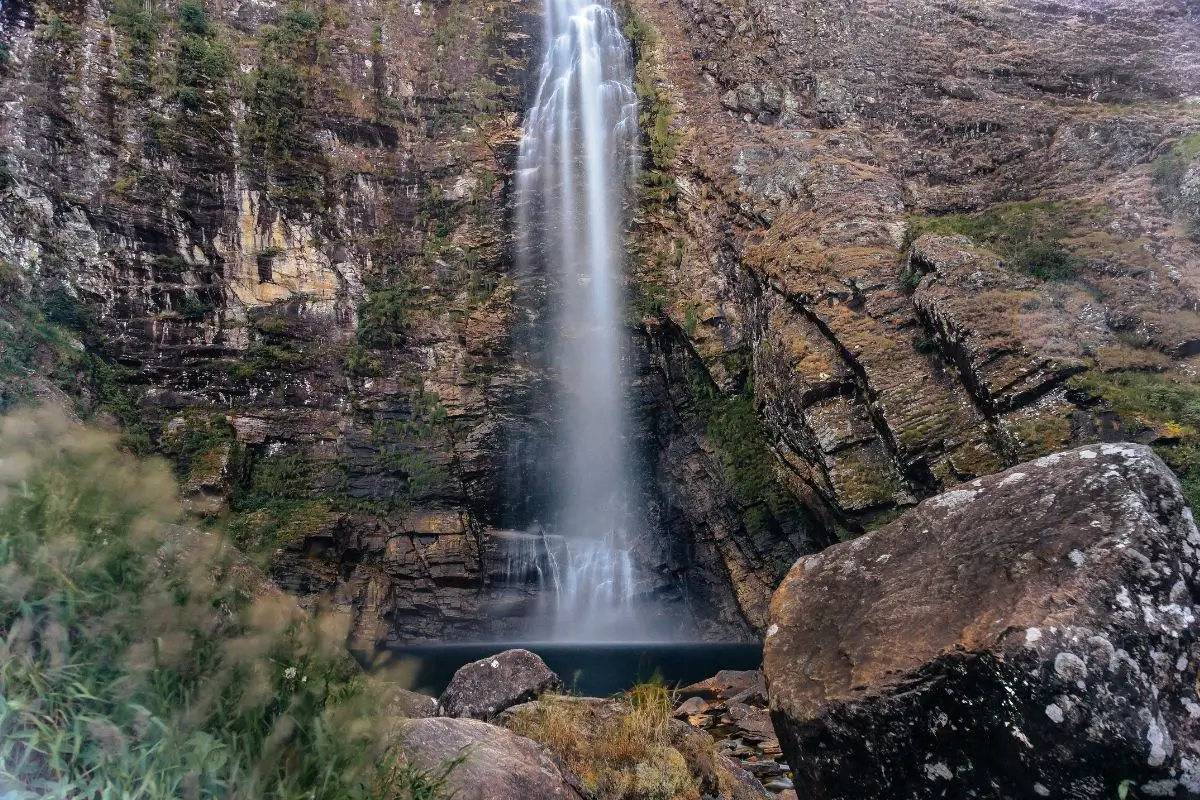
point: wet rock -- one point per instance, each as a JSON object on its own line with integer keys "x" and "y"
{"x": 751, "y": 723}
{"x": 1027, "y": 634}
{"x": 485, "y": 688}
{"x": 497, "y": 765}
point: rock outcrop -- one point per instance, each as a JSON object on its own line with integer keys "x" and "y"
{"x": 485, "y": 688}
{"x": 272, "y": 242}
{"x": 1028, "y": 634}
{"x": 496, "y": 763}
{"x": 923, "y": 241}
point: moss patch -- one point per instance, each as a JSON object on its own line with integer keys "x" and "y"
{"x": 1168, "y": 408}
{"x": 1030, "y": 236}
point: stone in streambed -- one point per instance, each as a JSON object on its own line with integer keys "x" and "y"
{"x": 1028, "y": 634}
{"x": 484, "y": 688}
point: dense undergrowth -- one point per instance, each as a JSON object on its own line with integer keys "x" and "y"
{"x": 140, "y": 659}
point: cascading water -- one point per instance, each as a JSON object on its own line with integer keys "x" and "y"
{"x": 578, "y": 160}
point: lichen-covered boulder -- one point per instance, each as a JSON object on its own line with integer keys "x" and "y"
{"x": 1030, "y": 634}
{"x": 484, "y": 688}
{"x": 497, "y": 764}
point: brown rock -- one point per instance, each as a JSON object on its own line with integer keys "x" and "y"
{"x": 693, "y": 706}
{"x": 1028, "y": 634}
{"x": 497, "y": 764}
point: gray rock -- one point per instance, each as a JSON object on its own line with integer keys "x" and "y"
{"x": 413, "y": 705}
{"x": 484, "y": 688}
{"x": 1027, "y": 634}
{"x": 497, "y": 763}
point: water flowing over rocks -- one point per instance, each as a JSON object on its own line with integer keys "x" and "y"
{"x": 485, "y": 688}
{"x": 282, "y": 235}
{"x": 732, "y": 707}
{"x": 1027, "y": 634}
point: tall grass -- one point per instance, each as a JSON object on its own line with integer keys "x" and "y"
{"x": 140, "y": 660}
{"x": 620, "y": 749}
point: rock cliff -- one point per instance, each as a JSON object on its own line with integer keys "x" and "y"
{"x": 880, "y": 248}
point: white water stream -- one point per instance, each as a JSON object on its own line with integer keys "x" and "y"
{"x": 578, "y": 161}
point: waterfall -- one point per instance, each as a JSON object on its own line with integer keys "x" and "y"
{"x": 577, "y": 165}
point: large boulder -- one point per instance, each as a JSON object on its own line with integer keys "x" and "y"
{"x": 496, "y": 763}
{"x": 484, "y": 688}
{"x": 1030, "y": 634}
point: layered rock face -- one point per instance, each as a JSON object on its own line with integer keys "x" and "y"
{"x": 880, "y": 248}
{"x": 280, "y": 236}
{"x": 918, "y": 238}
{"x": 1027, "y": 634}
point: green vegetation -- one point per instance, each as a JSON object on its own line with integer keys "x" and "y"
{"x": 142, "y": 661}
{"x": 1171, "y": 168}
{"x": 383, "y": 316}
{"x": 58, "y": 340}
{"x": 656, "y": 111}
{"x": 1169, "y": 172}
{"x": 280, "y": 128}
{"x": 1153, "y": 402}
{"x": 194, "y": 308}
{"x": 139, "y": 24}
{"x": 736, "y": 433}
{"x": 1027, "y": 235}
{"x": 203, "y": 65}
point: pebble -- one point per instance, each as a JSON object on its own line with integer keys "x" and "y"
{"x": 779, "y": 784}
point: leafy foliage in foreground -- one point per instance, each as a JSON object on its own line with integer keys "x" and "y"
{"x": 143, "y": 660}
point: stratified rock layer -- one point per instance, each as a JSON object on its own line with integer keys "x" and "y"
{"x": 1027, "y": 634}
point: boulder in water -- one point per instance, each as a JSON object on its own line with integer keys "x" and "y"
{"x": 484, "y": 688}
{"x": 497, "y": 763}
{"x": 1029, "y": 634}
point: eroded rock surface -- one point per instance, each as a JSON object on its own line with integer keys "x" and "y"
{"x": 1028, "y": 634}
{"x": 497, "y": 764}
{"x": 485, "y": 688}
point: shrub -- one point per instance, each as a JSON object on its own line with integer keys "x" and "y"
{"x": 192, "y": 18}
{"x": 1169, "y": 170}
{"x": 383, "y": 316}
{"x": 138, "y": 660}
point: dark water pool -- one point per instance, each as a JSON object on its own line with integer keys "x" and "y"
{"x": 591, "y": 669}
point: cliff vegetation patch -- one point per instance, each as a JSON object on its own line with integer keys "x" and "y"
{"x": 1161, "y": 409}
{"x": 1027, "y": 235}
